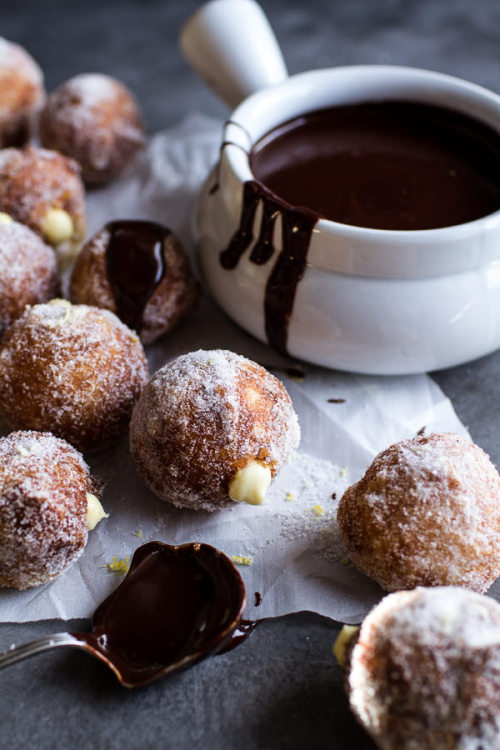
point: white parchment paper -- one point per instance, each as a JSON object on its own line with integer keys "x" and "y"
{"x": 292, "y": 544}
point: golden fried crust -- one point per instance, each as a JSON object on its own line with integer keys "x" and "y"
{"x": 95, "y": 120}
{"x": 424, "y": 673}
{"x": 426, "y": 513}
{"x": 73, "y": 370}
{"x": 43, "y": 505}
{"x": 176, "y": 294}
{"x": 29, "y": 273}
{"x": 34, "y": 181}
{"x": 21, "y": 93}
{"x": 201, "y": 419}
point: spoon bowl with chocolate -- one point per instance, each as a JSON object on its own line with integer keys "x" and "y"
{"x": 176, "y": 606}
{"x": 353, "y": 219}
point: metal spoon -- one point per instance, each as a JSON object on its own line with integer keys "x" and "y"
{"x": 176, "y": 606}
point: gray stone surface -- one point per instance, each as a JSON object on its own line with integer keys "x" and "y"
{"x": 281, "y": 689}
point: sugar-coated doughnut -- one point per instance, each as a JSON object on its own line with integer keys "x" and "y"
{"x": 43, "y": 190}
{"x": 426, "y": 513}
{"x": 21, "y": 93}
{"x": 72, "y": 370}
{"x": 28, "y": 270}
{"x": 45, "y": 487}
{"x": 95, "y": 120}
{"x": 424, "y": 672}
{"x": 212, "y": 428}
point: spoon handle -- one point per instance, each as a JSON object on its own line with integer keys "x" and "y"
{"x": 18, "y": 653}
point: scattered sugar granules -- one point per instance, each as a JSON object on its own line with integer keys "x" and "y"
{"x": 314, "y": 484}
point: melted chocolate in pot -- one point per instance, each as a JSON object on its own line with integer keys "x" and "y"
{"x": 389, "y": 165}
{"x": 135, "y": 265}
{"x": 176, "y": 605}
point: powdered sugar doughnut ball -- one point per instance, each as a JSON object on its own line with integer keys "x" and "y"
{"x": 94, "y": 119}
{"x": 73, "y": 370}
{"x": 45, "y": 490}
{"x": 43, "y": 190}
{"x": 426, "y": 513}
{"x": 212, "y": 428}
{"x": 138, "y": 270}
{"x": 28, "y": 270}
{"x": 424, "y": 673}
{"x": 21, "y": 93}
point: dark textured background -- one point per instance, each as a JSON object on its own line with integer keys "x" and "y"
{"x": 281, "y": 689}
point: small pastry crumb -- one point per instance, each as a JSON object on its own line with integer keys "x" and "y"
{"x": 289, "y": 497}
{"x": 242, "y": 559}
{"x": 139, "y": 534}
{"x": 119, "y": 566}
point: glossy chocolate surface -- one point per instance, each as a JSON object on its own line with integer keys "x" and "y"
{"x": 135, "y": 265}
{"x": 388, "y": 165}
{"x": 176, "y": 605}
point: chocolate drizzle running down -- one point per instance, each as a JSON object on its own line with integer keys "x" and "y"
{"x": 297, "y": 225}
{"x": 176, "y": 606}
{"x": 135, "y": 265}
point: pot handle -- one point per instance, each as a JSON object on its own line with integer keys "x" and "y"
{"x": 231, "y": 45}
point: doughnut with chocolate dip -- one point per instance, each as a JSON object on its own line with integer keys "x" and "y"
{"x": 212, "y": 428}
{"x": 47, "y": 508}
{"x": 138, "y": 270}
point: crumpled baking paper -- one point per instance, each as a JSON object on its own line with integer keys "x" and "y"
{"x": 289, "y": 552}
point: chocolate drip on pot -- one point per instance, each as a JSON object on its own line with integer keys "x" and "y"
{"x": 229, "y": 258}
{"x": 263, "y": 248}
{"x": 288, "y": 270}
{"x": 135, "y": 265}
{"x": 296, "y": 228}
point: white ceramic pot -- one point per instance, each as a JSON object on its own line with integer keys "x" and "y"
{"x": 370, "y": 300}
